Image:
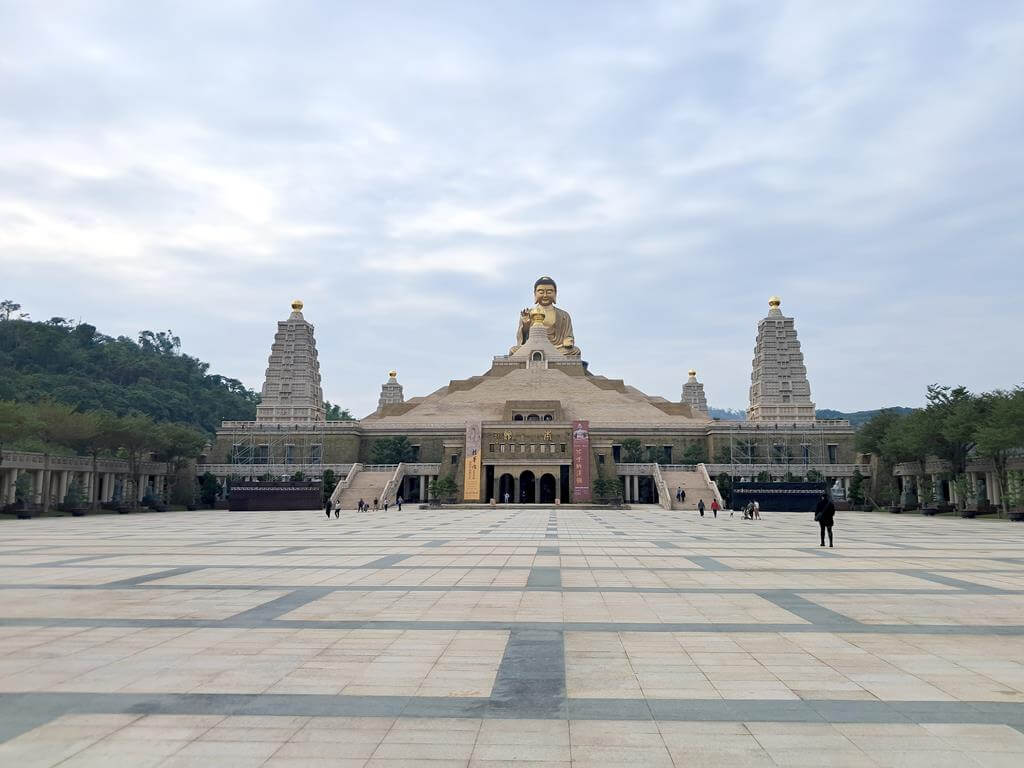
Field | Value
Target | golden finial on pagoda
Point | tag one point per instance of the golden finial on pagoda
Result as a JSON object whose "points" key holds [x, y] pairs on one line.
{"points": [[774, 302], [392, 373], [297, 305], [537, 314], [693, 373]]}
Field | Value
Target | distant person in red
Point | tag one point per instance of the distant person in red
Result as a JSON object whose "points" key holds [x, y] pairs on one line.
{"points": [[715, 507]]}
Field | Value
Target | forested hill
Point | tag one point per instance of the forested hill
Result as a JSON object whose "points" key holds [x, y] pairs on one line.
{"points": [[72, 363], [856, 418]]}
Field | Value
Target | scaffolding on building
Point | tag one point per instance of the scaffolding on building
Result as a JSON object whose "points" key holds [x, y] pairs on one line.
{"points": [[779, 449], [277, 449]]}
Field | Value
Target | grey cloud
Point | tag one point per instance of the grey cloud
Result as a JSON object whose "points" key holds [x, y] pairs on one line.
{"points": [[409, 175]]}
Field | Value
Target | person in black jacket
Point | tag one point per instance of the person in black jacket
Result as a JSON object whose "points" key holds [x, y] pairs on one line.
{"points": [[825, 513]]}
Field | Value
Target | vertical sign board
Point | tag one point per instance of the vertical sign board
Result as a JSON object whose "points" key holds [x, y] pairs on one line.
{"points": [[580, 461], [471, 484]]}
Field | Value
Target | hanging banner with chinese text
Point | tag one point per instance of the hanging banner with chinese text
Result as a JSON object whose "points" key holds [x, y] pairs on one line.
{"points": [[471, 484], [580, 461]]}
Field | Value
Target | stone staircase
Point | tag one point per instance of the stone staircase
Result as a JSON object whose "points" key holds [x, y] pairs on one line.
{"points": [[692, 482], [365, 485]]}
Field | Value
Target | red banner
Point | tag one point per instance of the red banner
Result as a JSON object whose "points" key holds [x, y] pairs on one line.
{"points": [[580, 461]]}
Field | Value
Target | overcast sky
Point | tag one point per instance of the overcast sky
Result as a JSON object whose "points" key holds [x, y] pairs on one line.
{"points": [[409, 169]]}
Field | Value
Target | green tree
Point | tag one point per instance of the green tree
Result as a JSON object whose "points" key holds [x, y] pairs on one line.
{"points": [[871, 437], [444, 488], [1000, 434], [17, 420], [337, 413], [209, 489], [605, 488], [956, 414], [856, 489], [724, 482], [392, 450], [8, 308], [178, 444], [135, 435], [632, 451], [695, 453], [327, 484], [22, 489]]}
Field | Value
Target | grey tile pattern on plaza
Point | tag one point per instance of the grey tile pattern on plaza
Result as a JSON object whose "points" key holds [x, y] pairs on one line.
{"points": [[489, 637]]}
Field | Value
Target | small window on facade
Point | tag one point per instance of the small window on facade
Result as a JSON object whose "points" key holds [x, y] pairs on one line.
{"points": [[490, 448], [501, 448], [455, 458], [600, 458], [522, 447], [561, 447], [517, 417], [833, 454], [533, 417], [538, 355], [616, 453], [547, 417]]}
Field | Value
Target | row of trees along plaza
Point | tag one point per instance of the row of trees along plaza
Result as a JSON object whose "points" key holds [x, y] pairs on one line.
{"points": [[955, 427]]}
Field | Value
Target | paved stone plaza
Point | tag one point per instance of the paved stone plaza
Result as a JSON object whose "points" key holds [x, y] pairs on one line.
{"points": [[538, 636]]}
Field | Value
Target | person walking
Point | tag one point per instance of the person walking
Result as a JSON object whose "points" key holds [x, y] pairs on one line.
{"points": [[507, 496], [398, 501], [679, 493], [757, 510], [700, 507], [361, 505], [385, 505], [337, 511], [682, 494], [327, 508], [715, 507], [376, 505], [824, 514]]}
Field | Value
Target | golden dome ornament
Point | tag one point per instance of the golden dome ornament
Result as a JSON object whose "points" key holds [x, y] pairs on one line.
{"points": [[774, 302], [537, 314], [297, 305]]}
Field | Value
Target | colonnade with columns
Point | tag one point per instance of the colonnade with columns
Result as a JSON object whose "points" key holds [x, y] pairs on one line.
{"points": [[52, 485]]}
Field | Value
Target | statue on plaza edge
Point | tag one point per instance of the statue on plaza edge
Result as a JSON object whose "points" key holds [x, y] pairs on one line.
{"points": [[557, 321]]}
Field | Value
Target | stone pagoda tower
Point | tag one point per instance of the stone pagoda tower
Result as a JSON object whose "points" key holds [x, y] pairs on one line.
{"points": [[779, 390], [693, 395], [292, 392], [390, 391]]}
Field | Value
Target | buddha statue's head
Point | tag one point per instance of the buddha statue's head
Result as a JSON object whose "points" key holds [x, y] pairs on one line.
{"points": [[545, 292]]}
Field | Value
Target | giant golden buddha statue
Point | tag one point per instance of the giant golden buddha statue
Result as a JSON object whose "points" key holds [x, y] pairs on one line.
{"points": [[557, 321]]}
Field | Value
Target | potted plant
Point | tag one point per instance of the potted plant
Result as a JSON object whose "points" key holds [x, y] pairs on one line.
{"points": [[22, 494], [74, 500]]}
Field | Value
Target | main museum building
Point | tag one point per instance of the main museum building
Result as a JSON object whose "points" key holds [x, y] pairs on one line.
{"points": [[537, 426]]}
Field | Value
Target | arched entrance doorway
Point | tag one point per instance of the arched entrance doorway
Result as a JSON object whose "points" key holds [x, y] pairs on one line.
{"points": [[527, 488], [506, 484], [547, 489]]}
